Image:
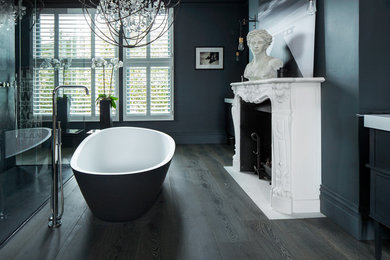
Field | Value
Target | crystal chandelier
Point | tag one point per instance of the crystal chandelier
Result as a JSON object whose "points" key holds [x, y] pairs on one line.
{"points": [[9, 14], [129, 23]]}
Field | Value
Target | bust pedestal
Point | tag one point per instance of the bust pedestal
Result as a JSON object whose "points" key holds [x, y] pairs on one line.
{"points": [[296, 138]]}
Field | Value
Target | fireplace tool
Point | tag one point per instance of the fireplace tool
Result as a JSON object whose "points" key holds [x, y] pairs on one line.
{"points": [[259, 168]]}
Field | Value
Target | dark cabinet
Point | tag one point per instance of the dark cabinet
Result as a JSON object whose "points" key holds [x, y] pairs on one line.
{"points": [[379, 184]]}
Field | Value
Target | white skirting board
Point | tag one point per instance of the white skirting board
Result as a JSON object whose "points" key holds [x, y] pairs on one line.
{"points": [[259, 191]]}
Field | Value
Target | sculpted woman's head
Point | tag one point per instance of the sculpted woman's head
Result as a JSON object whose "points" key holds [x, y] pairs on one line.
{"points": [[262, 65], [258, 40]]}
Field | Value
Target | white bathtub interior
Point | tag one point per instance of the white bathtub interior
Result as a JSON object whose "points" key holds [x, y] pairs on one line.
{"points": [[123, 150]]}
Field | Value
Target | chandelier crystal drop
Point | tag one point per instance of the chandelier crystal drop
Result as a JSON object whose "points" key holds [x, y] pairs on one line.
{"points": [[9, 14], [129, 23]]}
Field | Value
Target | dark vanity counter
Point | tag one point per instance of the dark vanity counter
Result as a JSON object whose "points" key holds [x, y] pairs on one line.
{"points": [[379, 165]]}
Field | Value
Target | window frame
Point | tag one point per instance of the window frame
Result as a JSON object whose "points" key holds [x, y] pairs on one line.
{"points": [[148, 62], [84, 63]]}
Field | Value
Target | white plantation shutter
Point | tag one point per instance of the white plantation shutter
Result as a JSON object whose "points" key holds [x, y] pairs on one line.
{"points": [[137, 53], [43, 79], [102, 48], [136, 92], [147, 72], [80, 103], [148, 84], [161, 48], [77, 42], [160, 90], [74, 37], [42, 100], [107, 51], [43, 37]]}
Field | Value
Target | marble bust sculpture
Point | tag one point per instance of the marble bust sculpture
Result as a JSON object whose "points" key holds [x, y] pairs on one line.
{"points": [[262, 66]]}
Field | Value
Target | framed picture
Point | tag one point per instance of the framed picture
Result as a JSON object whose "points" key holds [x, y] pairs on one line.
{"points": [[209, 58]]}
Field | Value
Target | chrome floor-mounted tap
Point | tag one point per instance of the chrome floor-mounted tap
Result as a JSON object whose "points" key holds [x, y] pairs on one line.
{"points": [[56, 160]]}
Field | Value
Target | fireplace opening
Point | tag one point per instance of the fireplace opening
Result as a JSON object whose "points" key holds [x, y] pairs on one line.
{"points": [[256, 139]]}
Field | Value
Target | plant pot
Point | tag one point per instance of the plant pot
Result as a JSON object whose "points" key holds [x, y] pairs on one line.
{"points": [[105, 114], [63, 111]]}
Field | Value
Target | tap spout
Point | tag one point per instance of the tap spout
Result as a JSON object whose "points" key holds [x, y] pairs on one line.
{"points": [[55, 91], [70, 86]]}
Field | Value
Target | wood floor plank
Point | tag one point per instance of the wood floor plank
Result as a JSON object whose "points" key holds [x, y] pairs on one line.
{"points": [[238, 200], [302, 242], [201, 213], [269, 245], [195, 237], [341, 241]]}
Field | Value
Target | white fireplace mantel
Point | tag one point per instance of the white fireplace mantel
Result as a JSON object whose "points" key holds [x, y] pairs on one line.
{"points": [[296, 138]]}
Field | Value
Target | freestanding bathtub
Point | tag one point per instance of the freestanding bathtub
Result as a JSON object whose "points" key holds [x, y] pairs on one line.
{"points": [[120, 170]]}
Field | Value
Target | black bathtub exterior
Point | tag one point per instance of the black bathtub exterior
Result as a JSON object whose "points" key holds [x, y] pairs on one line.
{"points": [[119, 198]]}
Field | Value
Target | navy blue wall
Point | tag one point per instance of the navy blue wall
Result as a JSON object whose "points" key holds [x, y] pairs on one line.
{"points": [[374, 56], [199, 94], [337, 59], [351, 53]]}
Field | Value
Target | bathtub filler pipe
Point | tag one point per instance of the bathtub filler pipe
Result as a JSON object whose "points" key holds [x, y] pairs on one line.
{"points": [[56, 160]]}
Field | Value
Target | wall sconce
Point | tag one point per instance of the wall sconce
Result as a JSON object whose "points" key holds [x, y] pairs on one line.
{"points": [[237, 56], [243, 23], [240, 43], [311, 7]]}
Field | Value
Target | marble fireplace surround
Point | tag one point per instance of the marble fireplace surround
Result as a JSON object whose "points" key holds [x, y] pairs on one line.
{"points": [[296, 139]]}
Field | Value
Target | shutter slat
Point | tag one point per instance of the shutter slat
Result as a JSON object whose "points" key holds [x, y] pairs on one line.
{"points": [[102, 48], [160, 90], [136, 90], [75, 42], [74, 37], [43, 37], [148, 88], [161, 47]]}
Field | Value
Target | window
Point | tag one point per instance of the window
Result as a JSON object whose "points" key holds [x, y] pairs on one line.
{"points": [[147, 72], [61, 35]]}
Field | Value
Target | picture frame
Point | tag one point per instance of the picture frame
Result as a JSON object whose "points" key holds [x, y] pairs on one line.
{"points": [[207, 58]]}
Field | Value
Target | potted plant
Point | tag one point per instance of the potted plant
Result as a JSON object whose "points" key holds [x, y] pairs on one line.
{"points": [[106, 100]]}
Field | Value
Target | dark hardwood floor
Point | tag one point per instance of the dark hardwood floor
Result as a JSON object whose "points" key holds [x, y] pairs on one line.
{"points": [[201, 213]]}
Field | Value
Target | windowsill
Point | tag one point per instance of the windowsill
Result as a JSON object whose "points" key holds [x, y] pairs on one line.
{"points": [[116, 120], [148, 118]]}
